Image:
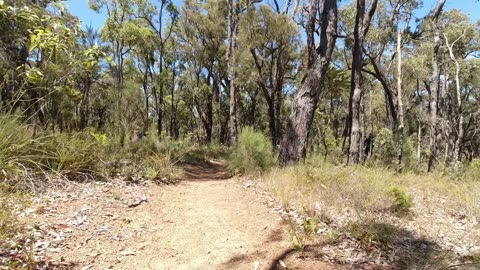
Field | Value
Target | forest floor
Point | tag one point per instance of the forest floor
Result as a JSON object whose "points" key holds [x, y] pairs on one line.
{"points": [[209, 220], [206, 221]]}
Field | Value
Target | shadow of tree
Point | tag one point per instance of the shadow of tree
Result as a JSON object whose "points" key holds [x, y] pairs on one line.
{"points": [[398, 248], [206, 171]]}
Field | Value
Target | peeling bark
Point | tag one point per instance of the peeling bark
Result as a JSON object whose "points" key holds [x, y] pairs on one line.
{"points": [[294, 143]]}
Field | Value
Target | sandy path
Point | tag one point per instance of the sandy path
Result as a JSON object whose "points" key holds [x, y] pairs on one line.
{"points": [[208, 224], [207, 221]]}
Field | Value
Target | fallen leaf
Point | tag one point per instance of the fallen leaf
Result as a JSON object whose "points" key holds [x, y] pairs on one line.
{"points": [[87, 267], [127, 252]]}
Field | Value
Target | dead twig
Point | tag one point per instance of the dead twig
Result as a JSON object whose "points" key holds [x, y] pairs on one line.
{"points": [[137, 203]]}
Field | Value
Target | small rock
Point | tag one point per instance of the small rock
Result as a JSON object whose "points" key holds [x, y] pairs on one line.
{"points": [[282, 264]]}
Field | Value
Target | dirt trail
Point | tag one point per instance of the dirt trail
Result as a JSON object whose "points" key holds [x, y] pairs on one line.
{"points": [[207, 221]]}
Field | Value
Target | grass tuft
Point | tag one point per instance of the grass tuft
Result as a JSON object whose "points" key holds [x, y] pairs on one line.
{"points": [[253, 153]]}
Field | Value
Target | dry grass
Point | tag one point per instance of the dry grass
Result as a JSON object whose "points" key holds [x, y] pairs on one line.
{"points": [[380, 207], [370, 190]]}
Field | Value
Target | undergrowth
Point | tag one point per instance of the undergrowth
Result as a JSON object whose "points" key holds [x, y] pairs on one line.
{"points": [[371, 204], [28, 153], [252, 154], [10, 201]]}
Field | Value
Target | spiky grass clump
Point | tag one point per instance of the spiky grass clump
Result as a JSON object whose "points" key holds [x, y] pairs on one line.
{"points": [[252, 154]]}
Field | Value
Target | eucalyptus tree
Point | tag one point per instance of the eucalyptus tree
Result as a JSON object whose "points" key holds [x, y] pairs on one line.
{"points": [[434, 83], [161, 20], [272, 42], [201, 35], [294, 143], [394, 17], [461, 40], [117, 33], [354, 118], [233, 7]]}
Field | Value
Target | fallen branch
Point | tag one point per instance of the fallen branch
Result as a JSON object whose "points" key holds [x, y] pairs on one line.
{"points": [[137, 203]]}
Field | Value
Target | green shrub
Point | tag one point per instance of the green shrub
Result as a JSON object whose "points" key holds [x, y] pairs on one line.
{"points": [[371, 232], [385, 147], [174, 150], [409, 158], [202, 153], [159, 169], [329, 147], [310, 226], [15, 143], [402, 202], [76, 152], [472, 171], [252, 154]]}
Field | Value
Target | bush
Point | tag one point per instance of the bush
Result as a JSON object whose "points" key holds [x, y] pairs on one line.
{"points": [[473, 170], [372, 232], [402, 202], [252, 154], [173, 150], [159, 169], [76, 152], [385, 147], [15, 143], [202, 153]]}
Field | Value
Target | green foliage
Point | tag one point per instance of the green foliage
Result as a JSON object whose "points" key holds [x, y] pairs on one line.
{"points": [[86, 153], [202, 153], [252, 154], [470, 172], [15, 143], [409, 158], [173, 150], [402, 201], [75, 152], [310, 226], [371, 232], [329, 146], [332, 237], [159, 169], [385, 147], [60, 153]]}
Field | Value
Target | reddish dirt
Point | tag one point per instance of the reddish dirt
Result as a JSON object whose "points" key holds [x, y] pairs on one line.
{"points": [[207, 221]]}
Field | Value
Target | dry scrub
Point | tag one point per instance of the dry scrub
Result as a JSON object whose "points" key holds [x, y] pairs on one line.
{"points": [[381, 208]]}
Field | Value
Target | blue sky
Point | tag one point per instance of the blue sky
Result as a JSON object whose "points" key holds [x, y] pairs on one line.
{"points": [[80, 9]]}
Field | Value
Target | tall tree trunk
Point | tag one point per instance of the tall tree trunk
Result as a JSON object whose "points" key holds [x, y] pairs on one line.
{"points": [[173, 108], [278, 111], [84, 104], [145, 91], [356, 91], [399, 96], [419, 128], [295, 140], [253, 108], [160, 96], [435, 85], [460, 131], [232, 36]]}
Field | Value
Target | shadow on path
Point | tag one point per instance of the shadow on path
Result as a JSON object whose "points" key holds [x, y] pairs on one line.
{"points": [[206, 171]]}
